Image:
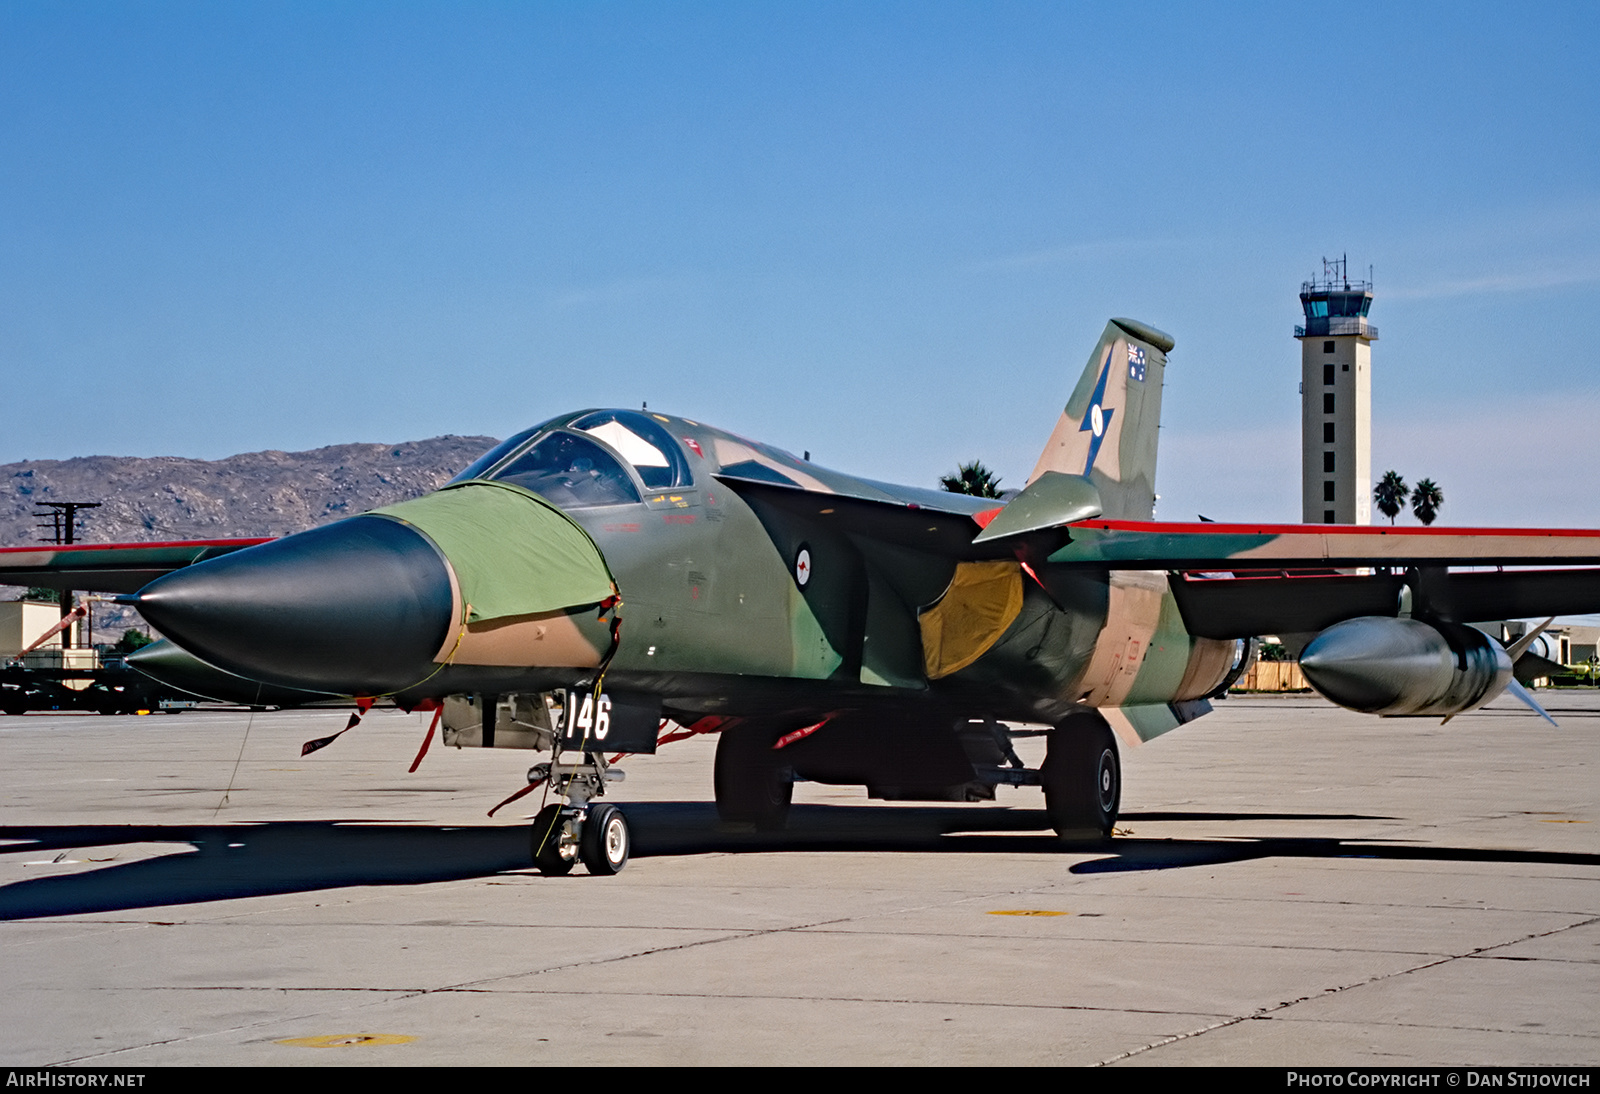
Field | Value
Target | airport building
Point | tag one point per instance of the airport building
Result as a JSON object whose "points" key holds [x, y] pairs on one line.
{"points": [[1336, 398], [22, 622], [1566, 644]]}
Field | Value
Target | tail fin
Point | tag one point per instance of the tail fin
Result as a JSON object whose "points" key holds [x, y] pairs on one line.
{"points": [[1108, 430]]}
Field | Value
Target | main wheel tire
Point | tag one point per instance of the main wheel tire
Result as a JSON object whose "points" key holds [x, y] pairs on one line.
{"points": [[551, 854], [605, 841], [1082, 778], [753, 784]]}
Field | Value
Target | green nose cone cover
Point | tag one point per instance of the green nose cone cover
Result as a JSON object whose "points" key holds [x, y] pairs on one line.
{"points": [[513, 552]]}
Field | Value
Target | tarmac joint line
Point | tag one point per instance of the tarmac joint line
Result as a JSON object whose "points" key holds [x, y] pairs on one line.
{"points": [[1268, 1012]]}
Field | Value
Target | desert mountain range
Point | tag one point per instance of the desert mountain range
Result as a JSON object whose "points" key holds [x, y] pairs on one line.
{"points": [[253, 494]]}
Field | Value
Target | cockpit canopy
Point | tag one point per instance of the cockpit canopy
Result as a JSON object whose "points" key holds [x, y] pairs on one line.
{"points": [[585, 463]]}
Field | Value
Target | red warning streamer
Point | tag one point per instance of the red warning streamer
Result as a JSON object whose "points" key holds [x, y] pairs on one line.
{"points": [[800, 734], [438, 712]]}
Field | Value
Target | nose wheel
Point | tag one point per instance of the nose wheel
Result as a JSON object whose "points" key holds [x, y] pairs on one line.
{"points": [[595, 834], [605, 841], [555, 840]]}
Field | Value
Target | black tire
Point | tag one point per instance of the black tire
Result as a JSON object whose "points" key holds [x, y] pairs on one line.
{"points": [[551, 854], [1082, 778], [113, 705], [605, 842], [753, 784]]}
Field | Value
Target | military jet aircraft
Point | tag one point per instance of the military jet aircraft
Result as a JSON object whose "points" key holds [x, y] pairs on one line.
{"points": [[610, 572]]}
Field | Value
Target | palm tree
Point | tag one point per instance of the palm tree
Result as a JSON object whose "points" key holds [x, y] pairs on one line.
{"points": [[1390, 494], [1426, 501], [973, 478]]}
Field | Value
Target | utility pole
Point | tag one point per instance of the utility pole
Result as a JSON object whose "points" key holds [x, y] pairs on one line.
{"points": [[63, 526]]}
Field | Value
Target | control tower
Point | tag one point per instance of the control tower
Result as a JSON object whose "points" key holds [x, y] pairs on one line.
{"points": [[1336, 398]]}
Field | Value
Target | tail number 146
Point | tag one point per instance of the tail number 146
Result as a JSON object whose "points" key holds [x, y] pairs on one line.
{"points": [[586, 718]]}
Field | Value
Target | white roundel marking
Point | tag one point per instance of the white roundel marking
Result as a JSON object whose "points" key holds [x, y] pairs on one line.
{"points": [[1097, 420], [802, 568]]}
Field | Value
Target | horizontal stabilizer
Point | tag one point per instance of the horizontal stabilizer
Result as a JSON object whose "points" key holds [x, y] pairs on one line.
{"points": [[1137, 724], [1049, 501]]}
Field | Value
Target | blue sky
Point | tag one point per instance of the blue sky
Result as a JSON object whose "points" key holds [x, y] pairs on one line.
{"points": [[885, 233]]}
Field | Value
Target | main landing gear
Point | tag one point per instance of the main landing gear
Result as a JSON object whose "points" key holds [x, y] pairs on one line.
{"points": [[753, 783], [1082, 778], [564, 835], [1081, 775]]}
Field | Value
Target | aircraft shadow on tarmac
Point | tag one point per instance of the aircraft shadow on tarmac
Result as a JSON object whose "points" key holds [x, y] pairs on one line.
{"points": [[234, 861]]}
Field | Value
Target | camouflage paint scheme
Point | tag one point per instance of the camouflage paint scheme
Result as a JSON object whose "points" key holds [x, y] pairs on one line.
{"points": [[715, 620], [762, 587]]}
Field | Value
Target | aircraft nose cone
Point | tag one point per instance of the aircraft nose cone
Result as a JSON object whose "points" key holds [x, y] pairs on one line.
{"points": [[357, 607]]}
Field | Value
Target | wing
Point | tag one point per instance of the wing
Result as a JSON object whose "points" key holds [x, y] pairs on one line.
{"points": [[1237, 580], [108, 567], [1248, 605], [1208, 547], [1229, 580], [944, 530]]}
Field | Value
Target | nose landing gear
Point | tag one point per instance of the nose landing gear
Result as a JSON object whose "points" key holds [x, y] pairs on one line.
{"points": [[564, 835]]}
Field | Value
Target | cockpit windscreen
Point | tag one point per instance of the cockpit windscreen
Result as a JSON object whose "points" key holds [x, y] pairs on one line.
{"points": [[642, 442], [571, 471]]}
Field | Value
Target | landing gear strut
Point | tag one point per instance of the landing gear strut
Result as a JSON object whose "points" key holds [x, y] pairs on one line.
{"points": [[578, 831], [1082, 778]]}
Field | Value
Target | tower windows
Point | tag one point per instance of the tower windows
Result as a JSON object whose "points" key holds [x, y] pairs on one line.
{"points": [[1327, 347], [1327, 375], [1327, 432], [1327, 462], [1327, 490], [1327, 403]]}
